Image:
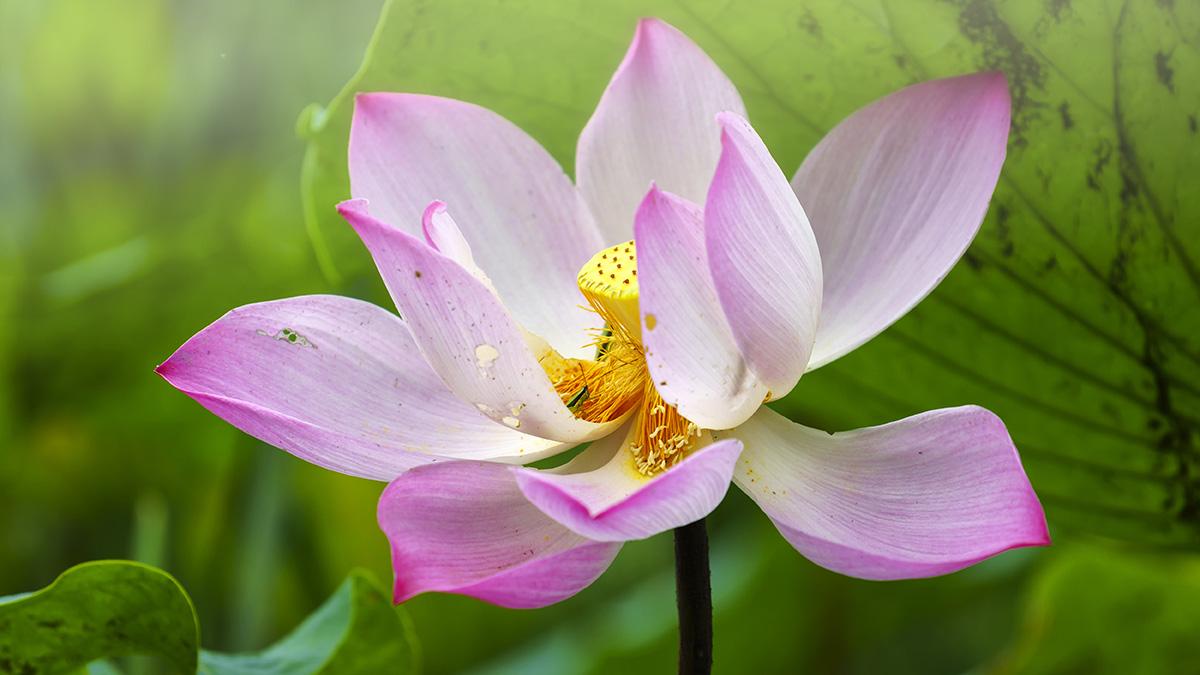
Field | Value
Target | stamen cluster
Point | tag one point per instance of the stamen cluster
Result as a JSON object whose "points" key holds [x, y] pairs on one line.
{"points": [[618, 380]]}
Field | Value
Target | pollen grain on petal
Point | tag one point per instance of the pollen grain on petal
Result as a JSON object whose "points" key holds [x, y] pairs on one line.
{"points": [[486, 355]]}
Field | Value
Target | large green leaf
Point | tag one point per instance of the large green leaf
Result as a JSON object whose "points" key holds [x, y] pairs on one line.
{"points": [[1074, 315], [98, 610], [107, 609]]}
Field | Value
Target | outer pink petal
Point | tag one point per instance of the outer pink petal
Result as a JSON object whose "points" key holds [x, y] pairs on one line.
{"points": [[693, 359], [464, 527], [467, 335], [653, 123], [529, 228], [600, 494], [764, 258], [351, 392], [927, 495], [896, 193]]}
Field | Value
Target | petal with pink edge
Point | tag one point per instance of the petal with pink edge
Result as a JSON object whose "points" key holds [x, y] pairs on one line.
{"points": [[763, 257], [529, 229], [339, 383], [690, 351], [467, 335], [896, 193], [655, 122], [601, 495], [464, 527], [927, 495]]}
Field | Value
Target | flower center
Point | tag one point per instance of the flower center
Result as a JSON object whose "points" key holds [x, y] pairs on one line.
{"points": [[618, 380]]}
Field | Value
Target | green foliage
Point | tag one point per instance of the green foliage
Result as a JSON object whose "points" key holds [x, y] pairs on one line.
{"points": [[356, 632], [137, 210], [107, 609], [1110, 613], [1074, 315], [98, 610]]}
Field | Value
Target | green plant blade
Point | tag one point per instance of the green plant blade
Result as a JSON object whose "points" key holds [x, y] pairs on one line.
{"points": [[356, 631], [107, 609], [1075, 313], [99, 610]]}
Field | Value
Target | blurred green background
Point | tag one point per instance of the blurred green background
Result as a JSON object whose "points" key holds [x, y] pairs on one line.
{"points": [[152, 177]]}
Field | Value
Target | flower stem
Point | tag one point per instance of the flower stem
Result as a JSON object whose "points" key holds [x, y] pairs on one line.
{"points": [[693, 597]]}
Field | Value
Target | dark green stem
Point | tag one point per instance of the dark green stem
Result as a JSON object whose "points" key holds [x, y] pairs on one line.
{"points": [[693, 597]]}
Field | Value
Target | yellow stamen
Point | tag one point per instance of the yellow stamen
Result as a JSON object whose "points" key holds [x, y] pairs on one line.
{"points": [[662, 437], [601, 390], [618, 380]]}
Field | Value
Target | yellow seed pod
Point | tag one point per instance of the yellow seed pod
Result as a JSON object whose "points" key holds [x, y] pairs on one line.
{"points": [[610, 284]]}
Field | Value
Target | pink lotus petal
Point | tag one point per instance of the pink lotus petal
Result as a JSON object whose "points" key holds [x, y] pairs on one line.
{"points": [[467, 335], [600, 494], [349, 392], [653, 123], [896, 193], [693, 359], [764, 258], [927, 495], [464, 527], [529, 229]]}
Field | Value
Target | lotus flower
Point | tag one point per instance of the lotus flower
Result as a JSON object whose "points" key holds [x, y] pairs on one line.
{"points": [[650, 308]]}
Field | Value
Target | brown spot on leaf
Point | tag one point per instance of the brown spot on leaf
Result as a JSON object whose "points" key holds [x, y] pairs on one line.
{"points": [[1166, 74], [1064, 111]]}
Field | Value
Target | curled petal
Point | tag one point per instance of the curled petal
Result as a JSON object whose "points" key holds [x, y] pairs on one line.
{"points": [[337, 382], [927, 495], [764, 258], [529, 229], [442, 233], [467, 335], [464, 527], [601, 495], [690, 351], [896, 193], [653, 123]]}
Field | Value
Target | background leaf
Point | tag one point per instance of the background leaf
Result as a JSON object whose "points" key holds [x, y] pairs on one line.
{"points": [[1074, 315], [108, 609], [1077, 601], [356, 631], [99, 610]]}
